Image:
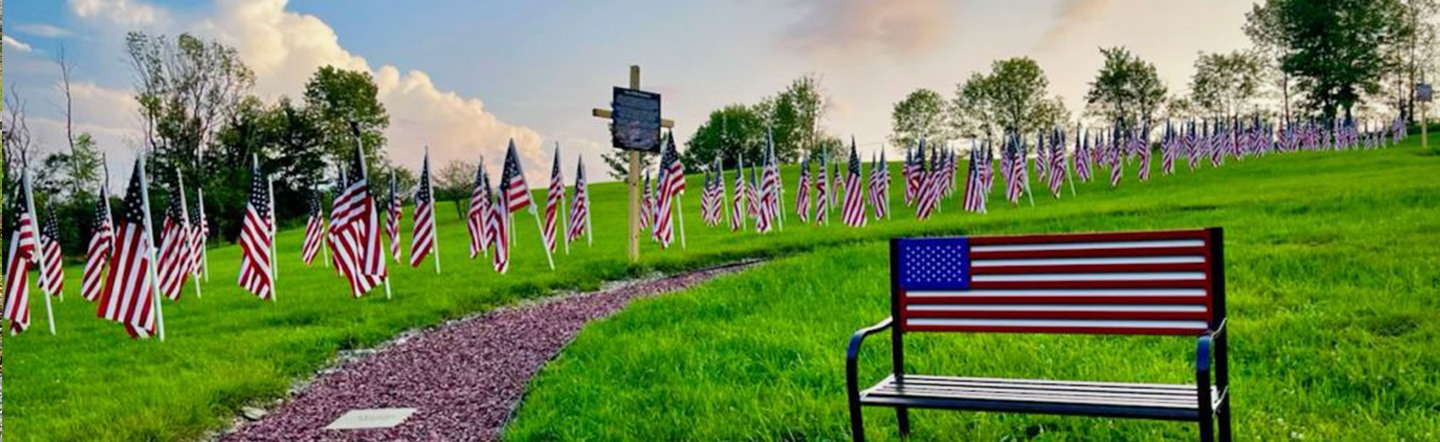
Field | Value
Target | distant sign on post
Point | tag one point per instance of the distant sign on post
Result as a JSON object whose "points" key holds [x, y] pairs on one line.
{"points": [[1423, 92], [636, 120]]}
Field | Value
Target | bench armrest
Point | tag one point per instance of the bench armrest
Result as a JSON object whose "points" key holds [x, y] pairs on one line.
{"points": [[852, 354], [1203, 348]]}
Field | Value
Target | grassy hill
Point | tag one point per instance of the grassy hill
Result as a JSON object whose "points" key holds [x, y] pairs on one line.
{"points": [[1334, 309], [1333, 286]]}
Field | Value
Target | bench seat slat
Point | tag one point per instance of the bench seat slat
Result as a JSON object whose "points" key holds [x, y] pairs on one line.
{"points": [[1160, 401]]}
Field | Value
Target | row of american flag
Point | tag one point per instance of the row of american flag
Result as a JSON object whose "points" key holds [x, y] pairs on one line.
{"points": [[128, 274]]}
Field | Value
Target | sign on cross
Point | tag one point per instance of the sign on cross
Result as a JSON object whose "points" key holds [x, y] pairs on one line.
{"points": [[634, 118]]}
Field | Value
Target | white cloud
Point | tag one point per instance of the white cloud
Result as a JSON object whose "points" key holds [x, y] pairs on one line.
{"points": [[16, 44], [129, 13], [858, 28], [43, 30]]}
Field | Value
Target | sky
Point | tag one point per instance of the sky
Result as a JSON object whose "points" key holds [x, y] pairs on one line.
{"points": [[464, 77]]}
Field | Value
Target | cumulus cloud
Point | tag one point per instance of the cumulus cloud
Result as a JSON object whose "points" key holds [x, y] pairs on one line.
{"points": [[16, 44], [864, 27], [119, 12], [285, 48]]}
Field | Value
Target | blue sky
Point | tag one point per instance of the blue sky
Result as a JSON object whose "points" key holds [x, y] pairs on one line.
{"points": [[464, 76]]}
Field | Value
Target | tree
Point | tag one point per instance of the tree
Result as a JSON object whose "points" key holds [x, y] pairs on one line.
{"points": [[729, 132], [453, 183], [1262, 25], [19, 144], [618, 162], [921, 114], [186, 88], [1225, 85], [1127, 90], [1337, 50], [1012, 98], [338, 97]]}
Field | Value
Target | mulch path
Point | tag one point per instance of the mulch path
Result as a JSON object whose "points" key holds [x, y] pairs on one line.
{"points": [[465, 378]]}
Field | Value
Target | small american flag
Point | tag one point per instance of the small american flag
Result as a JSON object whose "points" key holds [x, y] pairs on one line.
{"points": [[314, 230], [974, 185], [1057, 162], [671, 185], [52, 281], [199, 234], [129, 296], [255, 240], [516, 193], [802, 192], [737, 201], [853, 210], [422, 239], [497, 227], [554, 198], [1014, 186], [1142, 143], [647, 212], [174, 247], [770, 186], [756, 206], [394, 211], [876, 193], [931, 188], [822, 193], [479, 213], [97, 255], [580, 208], [355, 229], [18, 261]]}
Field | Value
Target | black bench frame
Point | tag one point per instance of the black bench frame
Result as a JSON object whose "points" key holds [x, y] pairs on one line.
{"points": [[1214, 407]]}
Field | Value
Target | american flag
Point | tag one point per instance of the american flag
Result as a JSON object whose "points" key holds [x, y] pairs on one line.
{"points": [[52, 281], [706, 198], [671, 184], [647, 211], [1057, 162], [479, 213], [18, 262], [1081, 157], [715, 192], [355, 229], [174, 247], [516, 193], [802, 192], [931, 188], [580, 207], [974, 183], [1014, 186], [1117, 158], [1169, 150], [914, 173], [822, 193], [554, 197], [497, 228], [1042, 157], [199, 234], [129, 293], [878, 196], [737, 201], [422, 239], [314, 230], [852, 212], [102, 241], [756, 203], [255, 240], [394, 211], [1143, 143], [769, 188]]}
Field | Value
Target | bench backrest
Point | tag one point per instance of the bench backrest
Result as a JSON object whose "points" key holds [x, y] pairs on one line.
{"points": [[1155, 282]]}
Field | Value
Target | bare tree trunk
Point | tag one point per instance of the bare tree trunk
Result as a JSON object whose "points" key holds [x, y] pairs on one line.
{"points": [[65, 66]]}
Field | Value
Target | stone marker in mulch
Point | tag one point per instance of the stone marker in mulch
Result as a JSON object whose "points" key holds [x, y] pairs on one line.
{"points": [[463, 379]]}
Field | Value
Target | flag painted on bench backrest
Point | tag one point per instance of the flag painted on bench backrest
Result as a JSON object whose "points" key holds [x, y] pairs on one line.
{"points": [[1116, 283]]}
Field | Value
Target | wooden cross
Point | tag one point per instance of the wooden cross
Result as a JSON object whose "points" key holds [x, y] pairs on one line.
{"points": [[634, 178]]}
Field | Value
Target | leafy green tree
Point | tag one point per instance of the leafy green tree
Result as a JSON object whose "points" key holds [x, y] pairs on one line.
{"points": [[1262, 25], [1226, 85], [618, 163], [453, 183], [728, 133], [1337, 50], [1013, 97], [337, 97], [1126, 90], [921, 114]]}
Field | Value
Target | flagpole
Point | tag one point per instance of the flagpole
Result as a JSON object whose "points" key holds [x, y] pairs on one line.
{"points": [[150, 247], [205, 251], [34, 226], [274, 266], [541, 228], [185, 217], [680, 217], [435, 234]]}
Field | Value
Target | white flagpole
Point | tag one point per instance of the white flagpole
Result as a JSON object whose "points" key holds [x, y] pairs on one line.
{"points": [[150, 247], [564, 214], [680, 217], [205, 251], [274, 266], [430, 186], [541, 228], [185, 216], [35, 230]]}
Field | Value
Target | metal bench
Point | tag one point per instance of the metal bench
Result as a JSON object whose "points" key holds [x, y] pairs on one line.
{"points": [[1169, 283]]}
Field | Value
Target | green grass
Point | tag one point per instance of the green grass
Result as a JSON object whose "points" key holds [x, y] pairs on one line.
{"points": [[1334, 306], [1332, 287]]}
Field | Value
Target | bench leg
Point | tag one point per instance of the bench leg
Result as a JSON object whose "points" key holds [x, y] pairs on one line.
{"points": [[857, 422], [902, 417], [1207, 429], [1222, 414]]}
